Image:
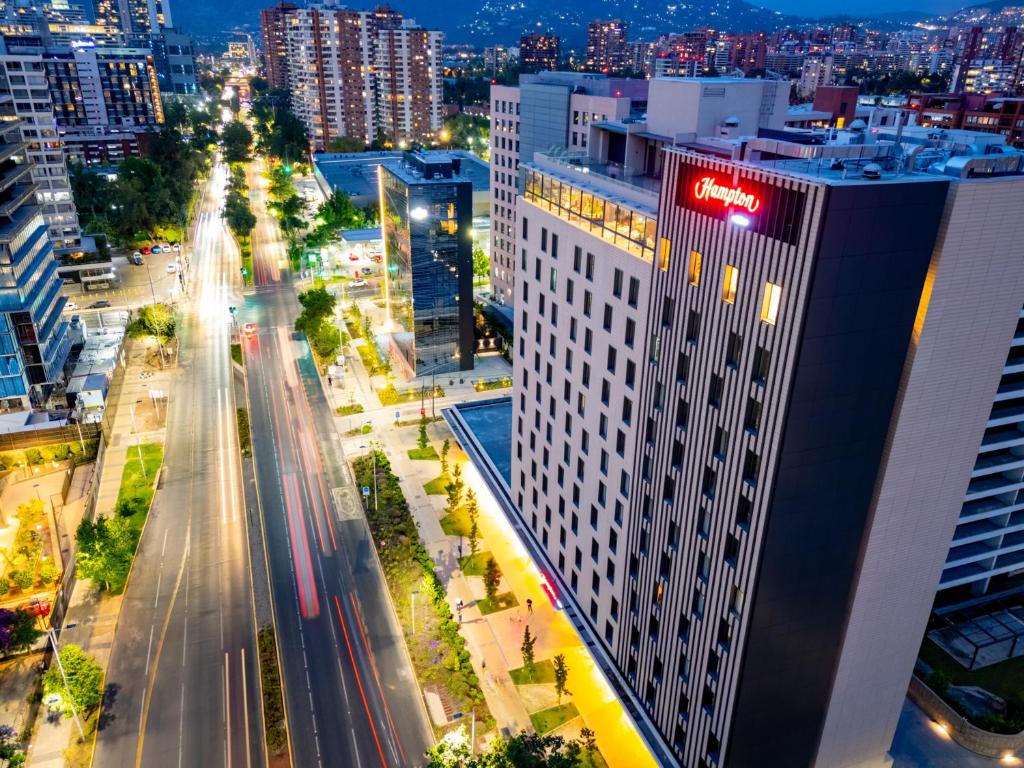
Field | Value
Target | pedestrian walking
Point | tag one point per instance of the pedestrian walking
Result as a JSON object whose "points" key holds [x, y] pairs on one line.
{"points": [[529, 605], [330, 382]]}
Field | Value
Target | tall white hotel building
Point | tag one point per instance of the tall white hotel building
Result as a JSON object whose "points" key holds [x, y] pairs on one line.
{"points": [[753, 369]]}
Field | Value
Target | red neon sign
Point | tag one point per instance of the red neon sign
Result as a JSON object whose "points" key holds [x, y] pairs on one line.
{"points": [[708, 188]]}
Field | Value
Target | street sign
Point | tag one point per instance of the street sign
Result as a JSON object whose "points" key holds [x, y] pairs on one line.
{"points": [[366, 490], [398, 415]]}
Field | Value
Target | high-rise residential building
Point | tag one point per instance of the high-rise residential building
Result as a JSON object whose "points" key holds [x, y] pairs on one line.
{"points": [[606, 46], [731, 352], [104, 86], [34, 340], [640, 57], [427, 222], [408, 84], [989, 113], [538, 51], [25, 75], [750, 52], [363, 74], [275, 54], [990, 76], [816, 71], [548, 109], [970, 46], [496, 58]]}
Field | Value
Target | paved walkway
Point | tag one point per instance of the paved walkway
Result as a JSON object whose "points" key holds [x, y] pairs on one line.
{"points": [[918, 743], [494, 640]]}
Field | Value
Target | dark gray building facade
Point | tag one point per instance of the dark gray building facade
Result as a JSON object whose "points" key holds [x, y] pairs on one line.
{"points": [[427, 221]]}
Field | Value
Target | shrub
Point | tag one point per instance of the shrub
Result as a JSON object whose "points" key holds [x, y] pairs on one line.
{"points": [[23, 579], [5, 585], [34, 457]]}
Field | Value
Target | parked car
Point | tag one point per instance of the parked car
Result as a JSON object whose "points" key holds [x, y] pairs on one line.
{"points": [[172, 267], [101, 304], [36, 606], [136, 259], [377, 257], [175, 247], [157, 249], [146, 249], [358, 283], [353, 257], [70, 306], [249, 329]]}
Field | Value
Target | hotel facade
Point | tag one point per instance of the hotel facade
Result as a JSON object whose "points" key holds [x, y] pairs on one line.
{"points": [[732, 350]]}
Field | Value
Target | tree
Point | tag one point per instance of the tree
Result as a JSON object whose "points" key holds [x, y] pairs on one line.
{"points": [[346, 145], [422, 441], [155, 320], [523, 750], [105, 551], [236, 140], [561, 677], [527, 650], [473, 512], [10, 747], [492, 579], [454, 489], [445, 447], [18, 630], [326, 341], [589, 740], [84, 675], [481, 264], [237, 214]]}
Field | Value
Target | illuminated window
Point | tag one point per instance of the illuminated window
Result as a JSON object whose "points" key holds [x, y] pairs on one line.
{"points": [[770, 304], [663, 249], [732, 279], [694, 272]]}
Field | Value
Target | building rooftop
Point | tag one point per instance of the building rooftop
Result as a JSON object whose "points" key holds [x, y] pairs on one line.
{"points": [[356, 173], [413, 168]]}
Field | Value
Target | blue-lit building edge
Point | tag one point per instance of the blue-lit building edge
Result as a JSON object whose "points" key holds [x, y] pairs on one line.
{"points": [[37, 293]]}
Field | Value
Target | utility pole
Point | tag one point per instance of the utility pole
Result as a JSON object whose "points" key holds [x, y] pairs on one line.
{"points": [[56, 652]]}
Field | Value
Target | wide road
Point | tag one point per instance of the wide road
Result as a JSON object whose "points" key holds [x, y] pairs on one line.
{"points": [[183, 667], [351, 695]]}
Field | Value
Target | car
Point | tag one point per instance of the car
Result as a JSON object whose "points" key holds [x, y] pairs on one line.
{"points": [[37, 606], [70, 306], [137, 259], [358, 283], [545, 584], [136, 254], [377, 257], [156, 249], [175, 247], [101, 304], [146, 249], [249, 329], [172, 267], [353, 257]]}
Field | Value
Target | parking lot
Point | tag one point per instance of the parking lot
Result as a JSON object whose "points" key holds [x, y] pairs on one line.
{"points": [[135, 285]]}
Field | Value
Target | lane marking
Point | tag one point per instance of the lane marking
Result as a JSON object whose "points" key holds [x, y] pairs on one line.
{"points": [[227, 707], [245, 711], [362, 693]]}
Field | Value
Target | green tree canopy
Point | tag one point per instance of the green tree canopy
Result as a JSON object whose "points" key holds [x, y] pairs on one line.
{"points": [[84, 675], [105, 550], [18, 630], [236, 140]]}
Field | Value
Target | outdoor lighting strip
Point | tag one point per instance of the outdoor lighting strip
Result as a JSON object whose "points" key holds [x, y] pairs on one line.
{"points": [[384, 245]]}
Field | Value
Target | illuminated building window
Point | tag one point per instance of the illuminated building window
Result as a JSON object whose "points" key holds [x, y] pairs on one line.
{"points": [[770, 304], [693, 275], [732, 279], [663, 251]]}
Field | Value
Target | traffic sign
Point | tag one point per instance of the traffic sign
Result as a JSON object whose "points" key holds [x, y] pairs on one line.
{"points": [[366, 490]]}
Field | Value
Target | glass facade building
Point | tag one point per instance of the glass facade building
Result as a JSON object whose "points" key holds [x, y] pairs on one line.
{"points": [[34, 341], [427, 214]]}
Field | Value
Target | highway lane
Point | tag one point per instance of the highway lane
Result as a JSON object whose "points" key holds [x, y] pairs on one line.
{"points": [[351, 696], [184, 660]]}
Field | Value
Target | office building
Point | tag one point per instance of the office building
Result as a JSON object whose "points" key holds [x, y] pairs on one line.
{"points": [[427, 220], [174, 62], [732, 348], [362, 74], [34, 339], [606, 47], [275, 53], [988, 113], [43, 147], [538, 51], [548, 109]]}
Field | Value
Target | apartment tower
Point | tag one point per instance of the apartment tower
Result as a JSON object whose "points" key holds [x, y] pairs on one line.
{"points": [[275, 54], [606, 46]]}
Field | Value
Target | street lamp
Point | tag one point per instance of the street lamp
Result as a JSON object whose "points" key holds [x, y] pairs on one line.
{"points": [[414, 593], [374, 455], [138, 444]]}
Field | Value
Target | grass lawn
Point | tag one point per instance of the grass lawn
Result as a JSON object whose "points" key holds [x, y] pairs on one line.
{"points": [[244, 437], [474, 565], [501, 602], [549, 719], [456, 523], [543, 672], [363, 430], [349, 410], [79, 753], [137, 485], [436, 486], [273, 697], [236, 354], [1005, 679], [424, 454]]}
